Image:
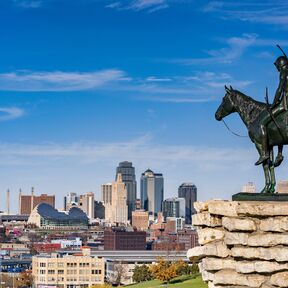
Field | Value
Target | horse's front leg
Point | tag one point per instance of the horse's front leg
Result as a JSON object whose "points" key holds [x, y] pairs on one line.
{"points": [[266, 169], [272, 172]]}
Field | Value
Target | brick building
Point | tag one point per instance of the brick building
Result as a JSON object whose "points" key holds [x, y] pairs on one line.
{"points": [[28, 202], [140, 220], [120, 239], [188, 237]]}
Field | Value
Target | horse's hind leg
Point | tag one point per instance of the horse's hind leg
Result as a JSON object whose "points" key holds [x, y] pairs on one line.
{"points": [[272, 172], [279, 157]]}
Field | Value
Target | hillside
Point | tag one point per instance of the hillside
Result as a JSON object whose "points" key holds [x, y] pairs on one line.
{"points": [[187, 281]]}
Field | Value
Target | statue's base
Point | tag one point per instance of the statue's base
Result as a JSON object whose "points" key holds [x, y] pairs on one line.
{"points": [[260, 197]]}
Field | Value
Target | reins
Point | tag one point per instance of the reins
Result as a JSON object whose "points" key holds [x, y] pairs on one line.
{"points": [[238, 135]]}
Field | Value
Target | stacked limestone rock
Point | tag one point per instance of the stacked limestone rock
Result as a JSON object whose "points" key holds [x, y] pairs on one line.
{"points": [[243, 244]]}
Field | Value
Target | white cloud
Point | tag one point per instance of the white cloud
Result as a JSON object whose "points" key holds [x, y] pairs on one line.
{"points": [[28, 4], [57, 81], [157, 79], [235, 47], [140, 5], [10, 113], [140, 149], [199, 87], [72, 167], [265, 12]]}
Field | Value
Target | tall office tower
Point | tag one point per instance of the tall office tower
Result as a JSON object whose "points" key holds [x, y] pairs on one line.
{"points": [[249, 188], [106, 193], [99, 210], [127, 172], [189, 192], [152, 191], [117, 210], [28, 202], [87, 203], [72, 199], [174, 207]]}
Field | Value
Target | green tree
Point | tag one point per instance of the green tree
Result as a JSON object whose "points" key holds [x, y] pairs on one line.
{"points": [[141, 273]]}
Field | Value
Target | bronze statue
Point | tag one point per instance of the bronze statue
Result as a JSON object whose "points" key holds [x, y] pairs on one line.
{"points": [[267, 124]]}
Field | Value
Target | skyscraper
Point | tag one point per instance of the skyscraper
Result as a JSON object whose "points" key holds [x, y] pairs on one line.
{"points": [[87, 203], [106, 193], [152, 191], [127, 172], [174, 207], [188, 191], [72, 199], [117, 210]]}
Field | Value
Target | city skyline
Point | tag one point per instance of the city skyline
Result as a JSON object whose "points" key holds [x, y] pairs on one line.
{"points": [[88, 84]]}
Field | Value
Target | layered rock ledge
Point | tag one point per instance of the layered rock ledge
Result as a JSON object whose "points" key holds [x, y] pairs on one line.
{"points": [[242, 244]]}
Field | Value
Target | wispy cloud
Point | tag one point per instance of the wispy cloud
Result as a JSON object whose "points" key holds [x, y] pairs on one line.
{"points": [[199, 87], [234, 49], [149, 6], [194, 88], [266, 12], [57, 81], [139, 149], [10, 113], [27, 4]]}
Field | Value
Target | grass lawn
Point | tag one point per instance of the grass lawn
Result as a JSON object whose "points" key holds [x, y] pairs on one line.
{"points": [[187, 281]]}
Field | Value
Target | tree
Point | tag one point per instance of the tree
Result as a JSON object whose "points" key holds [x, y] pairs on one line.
{"points": [[6, 280], [182, 268], [164, 270], [25, 279], [106, 285], [119, 272], [141, 273]]}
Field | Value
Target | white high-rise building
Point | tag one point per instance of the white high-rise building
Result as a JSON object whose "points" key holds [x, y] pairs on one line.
{"points": [[106, 193], [87, 204], [117, 210]]}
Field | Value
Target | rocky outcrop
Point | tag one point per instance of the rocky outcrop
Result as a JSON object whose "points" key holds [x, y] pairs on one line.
{"points": [[242, 244]]}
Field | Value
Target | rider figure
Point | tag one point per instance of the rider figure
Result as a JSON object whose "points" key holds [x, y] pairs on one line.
{"points": [[279, 105]]}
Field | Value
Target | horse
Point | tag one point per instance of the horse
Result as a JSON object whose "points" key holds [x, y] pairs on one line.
{"points": [[252, 112]]}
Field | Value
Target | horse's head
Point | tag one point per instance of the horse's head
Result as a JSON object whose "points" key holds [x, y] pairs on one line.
{"points": [[226, 107]]}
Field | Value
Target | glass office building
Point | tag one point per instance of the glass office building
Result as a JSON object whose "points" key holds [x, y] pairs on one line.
{"points": [[152, 191]]}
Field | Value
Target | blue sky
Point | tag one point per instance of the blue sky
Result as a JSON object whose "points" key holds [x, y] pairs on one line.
{"points": [[86, 84]]}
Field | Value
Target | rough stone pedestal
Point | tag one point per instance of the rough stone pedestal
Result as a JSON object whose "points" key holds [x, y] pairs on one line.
{"points": [[243, 244]]}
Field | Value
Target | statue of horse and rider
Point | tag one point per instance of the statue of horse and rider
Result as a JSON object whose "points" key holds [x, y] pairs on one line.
{"points": [[267, 124]]}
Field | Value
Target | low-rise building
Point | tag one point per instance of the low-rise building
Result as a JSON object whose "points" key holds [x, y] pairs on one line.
{"points": [[68, 271], [45, 216], [188, 237], [121, 239], [68, 243], [140, 220]]}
